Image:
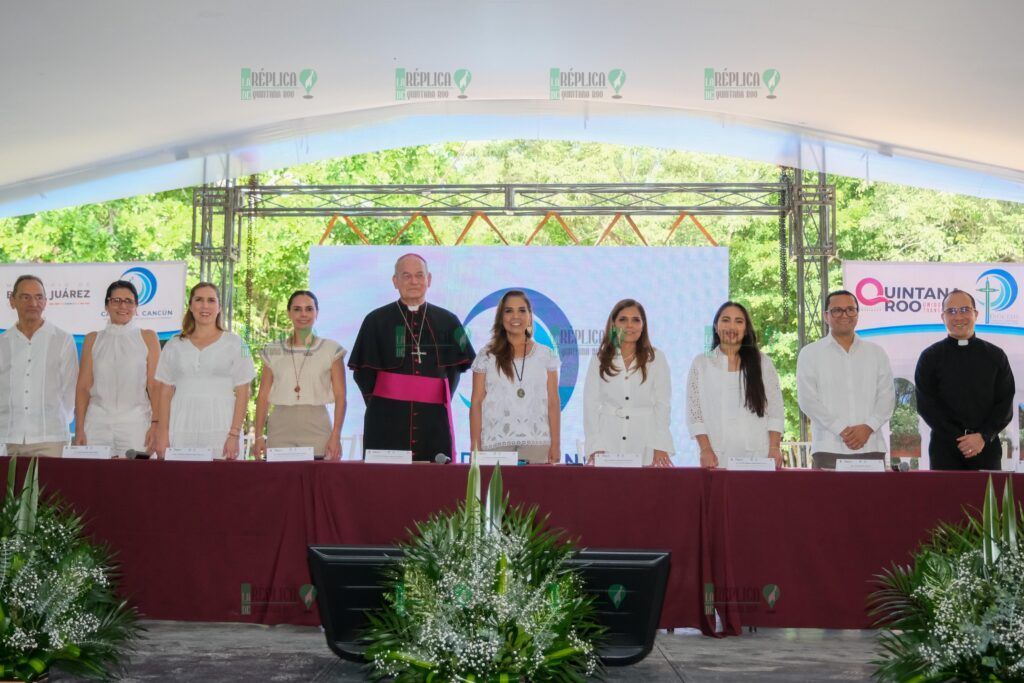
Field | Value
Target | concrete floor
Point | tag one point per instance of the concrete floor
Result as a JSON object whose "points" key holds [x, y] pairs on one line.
{"points": [[191, 651]]}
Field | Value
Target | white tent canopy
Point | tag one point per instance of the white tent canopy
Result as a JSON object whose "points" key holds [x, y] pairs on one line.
{"points": [[111, 99]]}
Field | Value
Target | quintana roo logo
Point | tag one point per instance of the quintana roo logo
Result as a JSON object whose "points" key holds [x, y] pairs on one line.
{"points": [[551, 328], [998, 290], [144, 281]]}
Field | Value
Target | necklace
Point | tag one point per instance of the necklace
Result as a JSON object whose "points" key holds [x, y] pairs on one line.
{"points": [[415, 337], [298, 371], [520, 392]]}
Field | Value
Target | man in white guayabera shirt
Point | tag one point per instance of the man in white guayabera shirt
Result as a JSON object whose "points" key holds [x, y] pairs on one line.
{"points": [[844, 384], [38, 371]]}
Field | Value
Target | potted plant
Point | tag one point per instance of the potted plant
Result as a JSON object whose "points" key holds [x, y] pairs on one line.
{"points": [[956, 613], [58, 606], [484, 594]]}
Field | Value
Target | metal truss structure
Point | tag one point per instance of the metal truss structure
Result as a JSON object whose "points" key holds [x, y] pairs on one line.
{"points": [[804, 204]]}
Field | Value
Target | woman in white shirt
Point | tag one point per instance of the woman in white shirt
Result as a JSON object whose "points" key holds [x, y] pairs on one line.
{"points": [[628, 391], [734, 402], [117, 393], [206, 373], [515, 404], [301, 375]]}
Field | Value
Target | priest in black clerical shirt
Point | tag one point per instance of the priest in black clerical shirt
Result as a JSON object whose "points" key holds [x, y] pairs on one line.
{"points": [[964, 392], [407, 359]]}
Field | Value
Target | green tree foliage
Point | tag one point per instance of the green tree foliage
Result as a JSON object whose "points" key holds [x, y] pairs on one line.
{"points": [[875, 222]]}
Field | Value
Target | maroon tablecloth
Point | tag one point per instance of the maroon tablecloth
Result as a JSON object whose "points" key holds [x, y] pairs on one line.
{"points": [[227, 541]]}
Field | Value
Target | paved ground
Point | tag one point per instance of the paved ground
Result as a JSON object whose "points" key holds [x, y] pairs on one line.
{"points": [[190, 651]]}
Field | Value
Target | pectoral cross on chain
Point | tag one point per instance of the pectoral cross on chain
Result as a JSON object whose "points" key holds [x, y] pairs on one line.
{"points": [[419, 354]]}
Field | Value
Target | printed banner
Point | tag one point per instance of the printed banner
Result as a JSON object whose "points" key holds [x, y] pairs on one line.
{"points": [[76, 292], [572, 292]]}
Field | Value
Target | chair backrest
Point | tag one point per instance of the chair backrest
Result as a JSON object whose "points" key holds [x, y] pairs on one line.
{"points": [[352, 447], [796, 454]]}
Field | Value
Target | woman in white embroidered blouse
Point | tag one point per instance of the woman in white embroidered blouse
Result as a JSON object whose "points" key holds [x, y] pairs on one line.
{"points": [[628, 391], [515, 404], [734, 402], [206, 373], [117, 394]]}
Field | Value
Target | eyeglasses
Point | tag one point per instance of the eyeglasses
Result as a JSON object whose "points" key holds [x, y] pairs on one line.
{"points": [[962, 310], [116, 301], [840, 312]]}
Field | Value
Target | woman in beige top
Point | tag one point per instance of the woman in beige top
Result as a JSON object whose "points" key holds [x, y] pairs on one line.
{"points": [[301, 376]]}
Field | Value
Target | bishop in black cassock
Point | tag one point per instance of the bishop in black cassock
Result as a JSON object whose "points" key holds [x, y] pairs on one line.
{"points": [[402, 356], [965, 392]]}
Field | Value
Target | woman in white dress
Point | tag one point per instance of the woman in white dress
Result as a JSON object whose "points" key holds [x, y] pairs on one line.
{"points": [[116, 394], [301, 375], [734, 402], [628, 391], [206, 373], [515, 404]]}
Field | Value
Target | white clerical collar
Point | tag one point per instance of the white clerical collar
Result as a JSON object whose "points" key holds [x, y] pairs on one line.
{"points": [[963, 342], [413, 309]]}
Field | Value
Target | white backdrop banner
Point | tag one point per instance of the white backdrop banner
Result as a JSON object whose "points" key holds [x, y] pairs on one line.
{"points": [[901, 309], [76, 291], [572, 291]]}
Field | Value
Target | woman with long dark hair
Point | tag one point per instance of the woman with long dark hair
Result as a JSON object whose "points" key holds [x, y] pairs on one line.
{"points": [[515, 404], [734, 401], [301, 375], [117, 395], [206, 372], [628, 391]]}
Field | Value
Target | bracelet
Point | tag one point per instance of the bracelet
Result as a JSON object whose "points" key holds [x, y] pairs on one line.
{"points": [[154, 422]]}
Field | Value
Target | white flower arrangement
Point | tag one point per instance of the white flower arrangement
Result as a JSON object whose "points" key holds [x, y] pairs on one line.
{"points": [[484, 594], [57, 604], [957, 612]]}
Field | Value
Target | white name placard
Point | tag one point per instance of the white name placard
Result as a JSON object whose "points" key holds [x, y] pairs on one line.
{"points": [[503, 458], [89, 452], [3, 450], [296, 454], [189, 454], [859, 465], [1020, 463], [382, 457], [618, 460], [751, 463]]}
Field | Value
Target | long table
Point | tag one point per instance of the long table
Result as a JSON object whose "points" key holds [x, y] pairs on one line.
{"points": [[226, 541]]}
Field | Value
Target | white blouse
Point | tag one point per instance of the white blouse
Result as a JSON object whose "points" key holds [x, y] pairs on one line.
{"points": [[715, 403], [309, 370], [119, 357], [204, 382], [624, 414], [510, 419]]}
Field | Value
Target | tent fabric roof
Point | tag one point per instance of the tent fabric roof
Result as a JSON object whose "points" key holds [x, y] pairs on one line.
{"points": [[117, 98]]}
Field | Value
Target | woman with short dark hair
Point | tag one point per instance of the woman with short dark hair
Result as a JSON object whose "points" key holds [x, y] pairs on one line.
{"points": [[117, 394]]}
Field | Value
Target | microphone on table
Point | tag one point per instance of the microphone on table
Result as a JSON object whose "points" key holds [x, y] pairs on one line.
{"points": [[442, 458], [904, 466], [133, 454]]}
